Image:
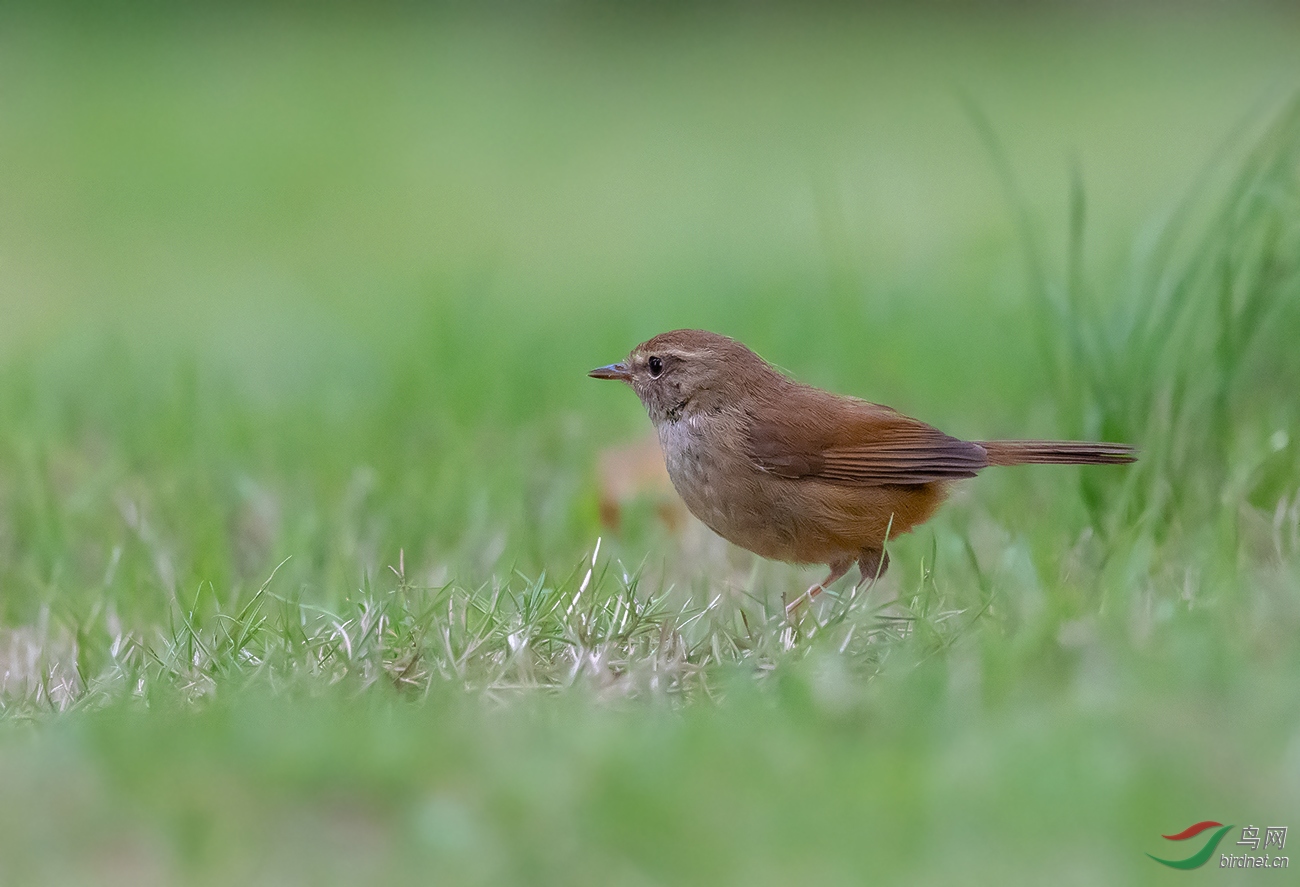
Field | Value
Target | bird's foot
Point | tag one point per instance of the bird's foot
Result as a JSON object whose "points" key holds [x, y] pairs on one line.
{"points": [[837, 570], [812, 592]]}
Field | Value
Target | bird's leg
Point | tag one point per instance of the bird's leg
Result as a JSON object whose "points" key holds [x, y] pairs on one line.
{"points": [[838, 569], [872, 564]]}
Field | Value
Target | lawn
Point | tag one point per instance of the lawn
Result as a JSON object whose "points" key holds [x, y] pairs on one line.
{"points": [[303, 577]]}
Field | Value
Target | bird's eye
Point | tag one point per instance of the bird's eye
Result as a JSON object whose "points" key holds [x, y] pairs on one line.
{"points": [[656, 367]]}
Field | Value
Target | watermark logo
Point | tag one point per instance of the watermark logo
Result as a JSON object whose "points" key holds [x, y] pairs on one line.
{"points": [[1202, 856], [1273, 836]]}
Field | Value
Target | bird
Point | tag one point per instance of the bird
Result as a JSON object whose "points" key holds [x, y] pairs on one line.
{"points": [[798, 474]]}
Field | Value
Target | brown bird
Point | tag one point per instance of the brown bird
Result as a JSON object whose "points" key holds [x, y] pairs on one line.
{"points": [[798, 474]]}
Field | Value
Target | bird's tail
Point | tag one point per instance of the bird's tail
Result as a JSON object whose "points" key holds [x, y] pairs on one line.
{"points": [[1056, 452]]}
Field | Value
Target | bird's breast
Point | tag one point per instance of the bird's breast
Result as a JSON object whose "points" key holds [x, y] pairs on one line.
{"points": [[722, 487], [698, 458]]}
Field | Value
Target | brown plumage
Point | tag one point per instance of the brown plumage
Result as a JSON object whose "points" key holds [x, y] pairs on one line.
{"points": [[799, 474]]}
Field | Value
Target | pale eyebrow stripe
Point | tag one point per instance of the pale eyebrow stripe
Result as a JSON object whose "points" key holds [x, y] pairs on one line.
{"points": [[666, 352]]}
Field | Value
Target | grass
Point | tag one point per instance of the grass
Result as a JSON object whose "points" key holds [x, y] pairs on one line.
{"points": [[301, 575]]}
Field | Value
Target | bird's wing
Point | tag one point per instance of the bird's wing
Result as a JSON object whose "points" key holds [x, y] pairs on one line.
{"points": [[843, 440]]}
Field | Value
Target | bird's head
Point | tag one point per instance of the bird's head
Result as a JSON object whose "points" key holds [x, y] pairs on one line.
{"points": [[687, 372]]}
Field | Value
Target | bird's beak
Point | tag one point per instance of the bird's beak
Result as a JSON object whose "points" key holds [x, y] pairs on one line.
{"points": [[613, 371]]}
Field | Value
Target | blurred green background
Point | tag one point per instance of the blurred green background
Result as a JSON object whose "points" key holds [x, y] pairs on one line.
{"points": [[318, 288]]}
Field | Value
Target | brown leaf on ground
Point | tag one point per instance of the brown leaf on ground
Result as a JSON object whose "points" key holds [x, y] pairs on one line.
{"points": [[632, 471]]}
